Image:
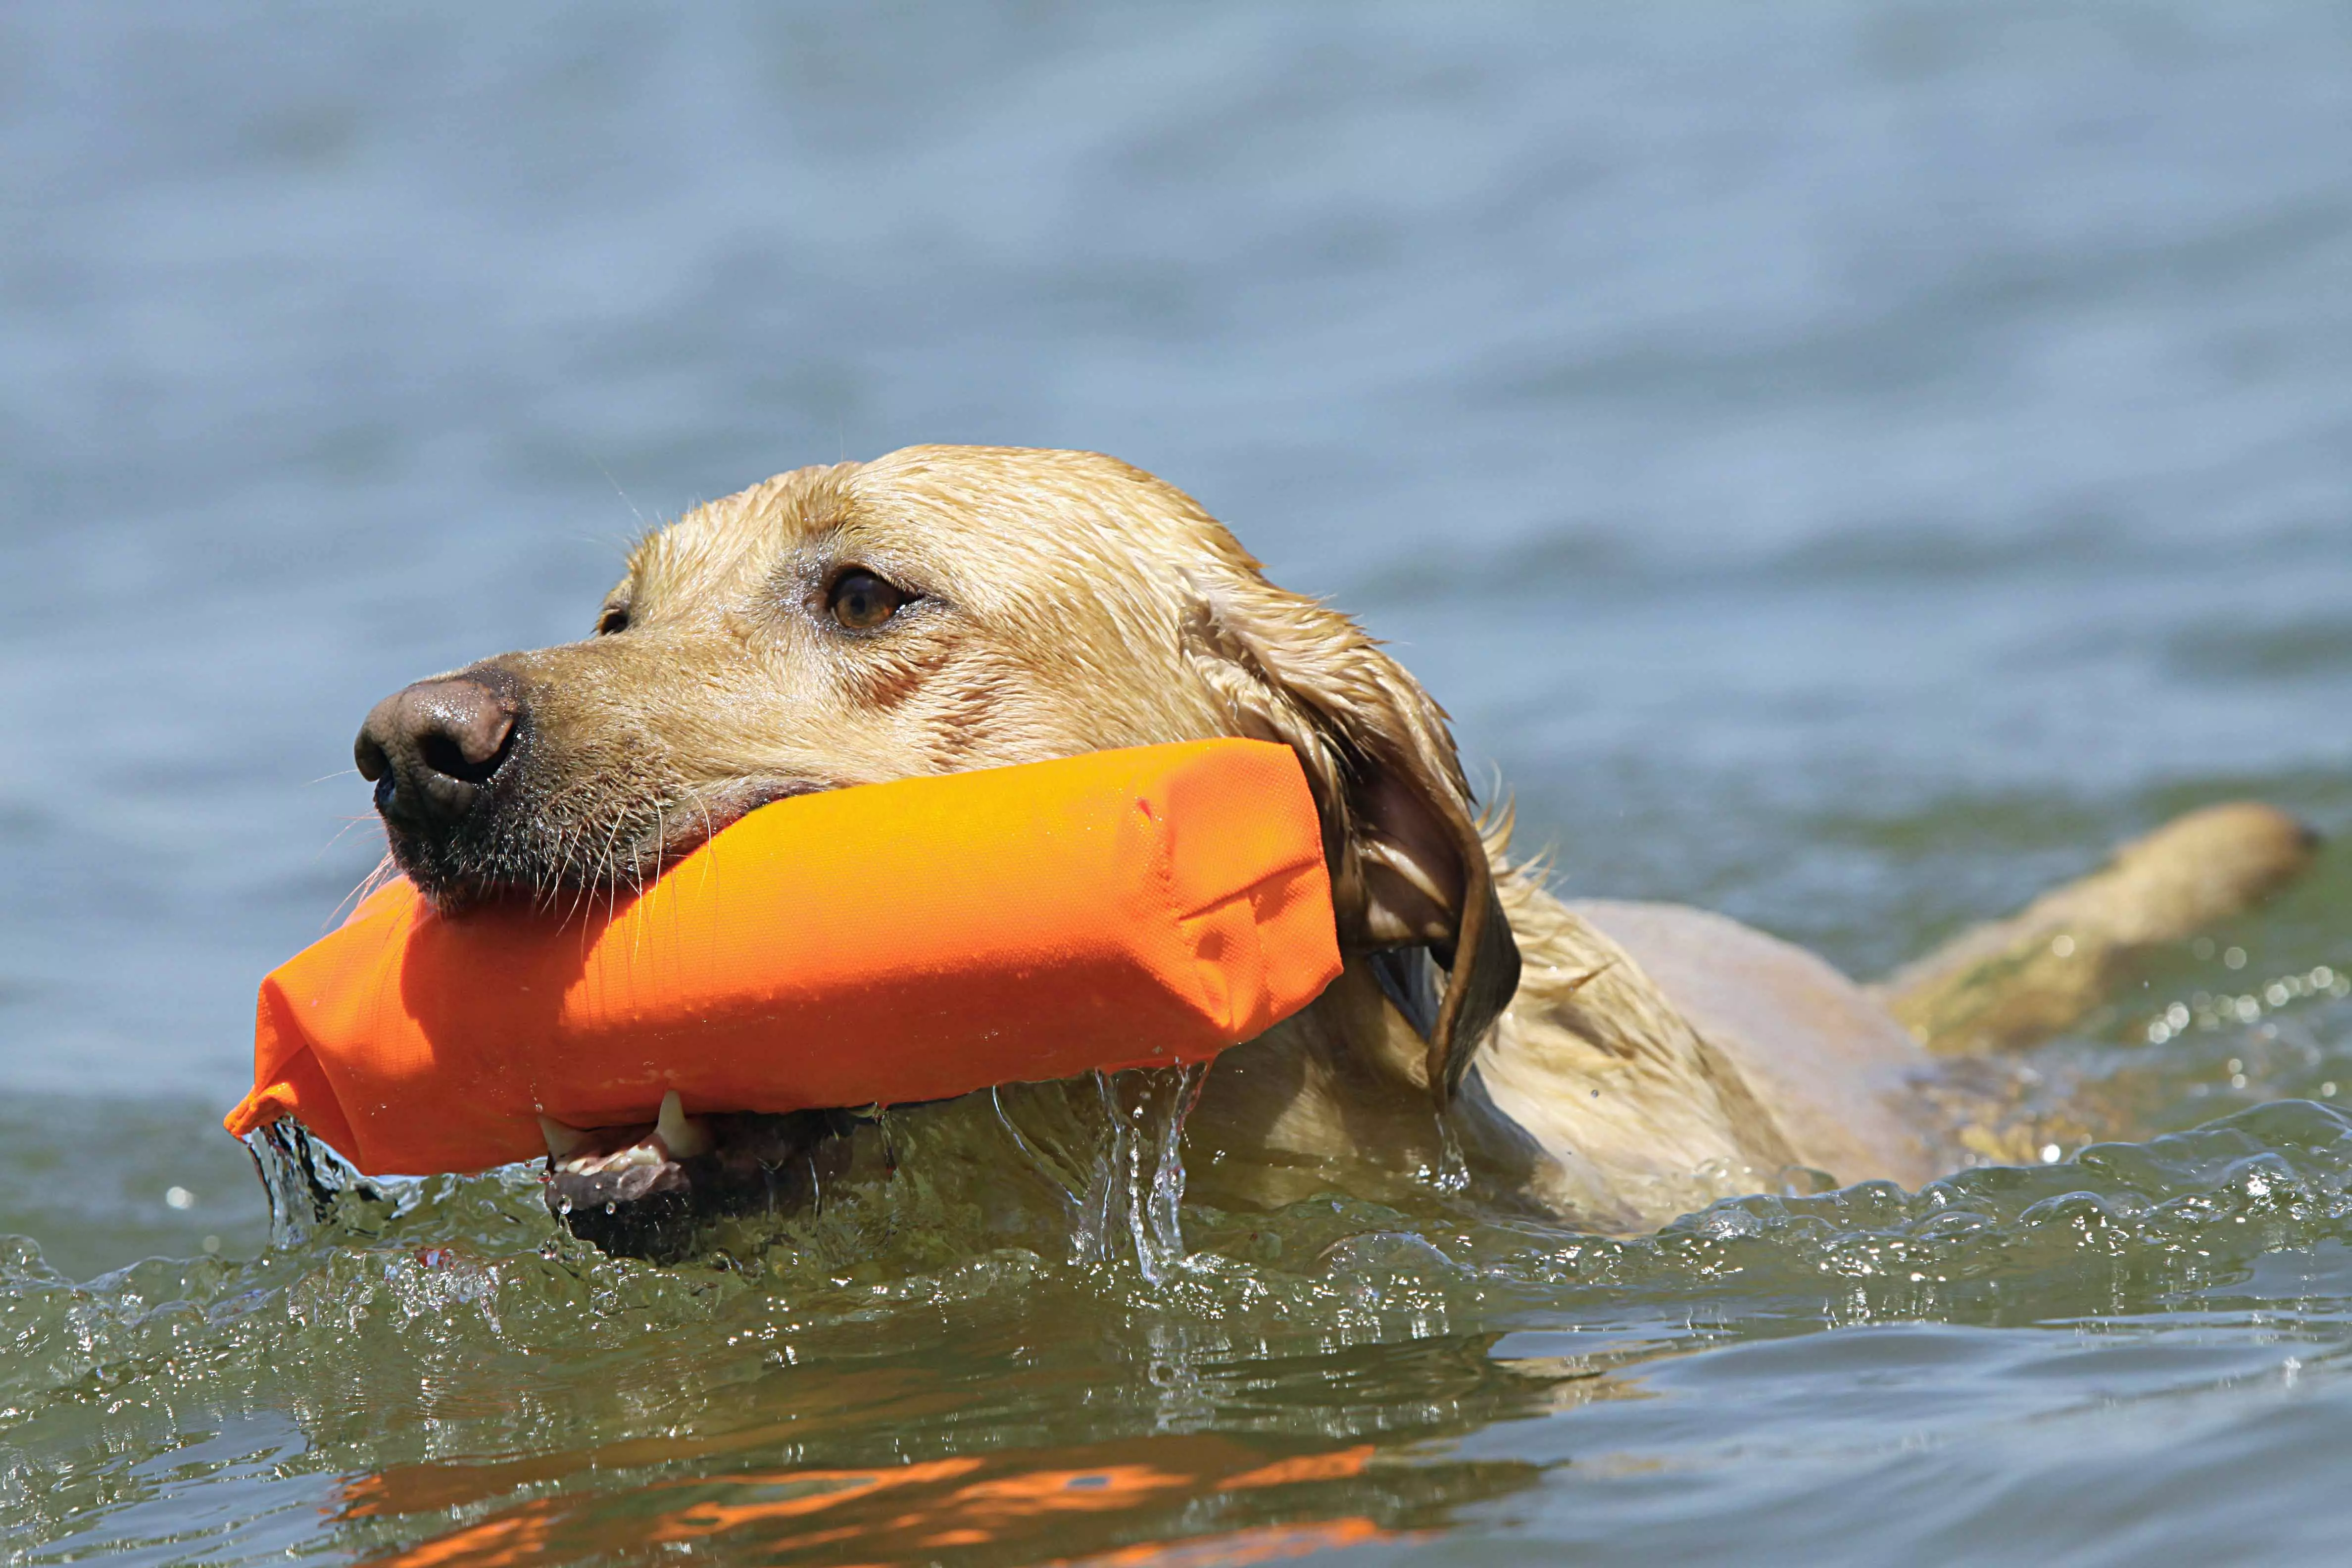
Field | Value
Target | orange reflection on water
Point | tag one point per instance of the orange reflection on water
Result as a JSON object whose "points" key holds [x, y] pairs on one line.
{"points": [[821, 1405], [965, 1516], [1237, 1548], [518, 1536], [1334, 1467], [915, 1510]]}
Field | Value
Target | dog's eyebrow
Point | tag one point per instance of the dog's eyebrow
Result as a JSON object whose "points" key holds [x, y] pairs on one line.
{"points": [[816, 558]]}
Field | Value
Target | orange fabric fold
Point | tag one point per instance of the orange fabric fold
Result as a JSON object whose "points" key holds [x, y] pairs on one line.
{"points": [[892, 943]]}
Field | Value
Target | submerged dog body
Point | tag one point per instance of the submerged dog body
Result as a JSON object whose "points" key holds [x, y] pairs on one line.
{"points": [[943, 609]]}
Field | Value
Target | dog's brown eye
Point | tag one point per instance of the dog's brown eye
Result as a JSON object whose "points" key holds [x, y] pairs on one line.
{"points": [[861, 601], [615, 619]]}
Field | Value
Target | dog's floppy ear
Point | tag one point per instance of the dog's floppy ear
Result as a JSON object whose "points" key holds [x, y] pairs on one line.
{"points": [[1410, 871]]}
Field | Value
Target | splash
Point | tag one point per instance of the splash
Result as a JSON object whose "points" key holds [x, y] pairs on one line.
{"points": [[1136, 1191], [1020, 1272]]}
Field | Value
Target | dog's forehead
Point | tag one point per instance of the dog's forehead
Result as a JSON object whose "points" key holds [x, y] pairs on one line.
{"points": [[736, 542], [990, 527]]}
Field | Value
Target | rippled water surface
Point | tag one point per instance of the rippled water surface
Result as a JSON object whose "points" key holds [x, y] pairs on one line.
{"points": [[1844, 466]]}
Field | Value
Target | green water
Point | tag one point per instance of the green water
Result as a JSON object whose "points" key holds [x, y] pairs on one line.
{"points": [[993, 1346]]}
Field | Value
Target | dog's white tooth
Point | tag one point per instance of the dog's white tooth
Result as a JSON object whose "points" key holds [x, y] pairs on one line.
{"points": [[680, 1133], [562, 1141]]}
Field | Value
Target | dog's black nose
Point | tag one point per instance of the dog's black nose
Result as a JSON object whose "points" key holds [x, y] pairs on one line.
{"points": [[430, 747]]}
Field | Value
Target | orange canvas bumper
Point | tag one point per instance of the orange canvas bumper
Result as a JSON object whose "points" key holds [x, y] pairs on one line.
{"points": [[895, 941]]}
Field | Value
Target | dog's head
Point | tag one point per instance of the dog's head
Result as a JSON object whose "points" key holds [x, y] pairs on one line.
{"points": [[937, 610]]}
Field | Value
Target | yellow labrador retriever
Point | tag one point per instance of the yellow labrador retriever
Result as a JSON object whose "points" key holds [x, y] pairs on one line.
{"points": [[946, 608]]}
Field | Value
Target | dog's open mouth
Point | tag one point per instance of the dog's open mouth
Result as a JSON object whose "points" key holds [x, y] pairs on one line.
{"points": [[644, 1191]]}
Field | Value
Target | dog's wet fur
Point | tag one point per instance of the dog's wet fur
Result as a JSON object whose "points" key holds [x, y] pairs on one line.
{"points": [[945, 608]]}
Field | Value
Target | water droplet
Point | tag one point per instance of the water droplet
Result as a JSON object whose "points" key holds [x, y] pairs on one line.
{"points": [[212, 1243], [2050, 1153], [179, 1198], [2233, 958], [2063, 946]]}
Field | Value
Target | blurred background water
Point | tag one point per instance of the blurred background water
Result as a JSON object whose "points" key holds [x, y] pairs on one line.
{"points": [[1847, 464]]}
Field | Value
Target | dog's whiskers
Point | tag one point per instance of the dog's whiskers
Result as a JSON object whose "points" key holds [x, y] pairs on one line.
{"points": [[383, 871]]}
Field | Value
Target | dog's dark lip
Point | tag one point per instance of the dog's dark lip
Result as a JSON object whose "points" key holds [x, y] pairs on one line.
{"points": [[683, 826], [630, 1191]]}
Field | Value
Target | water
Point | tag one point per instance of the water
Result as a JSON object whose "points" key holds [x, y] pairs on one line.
{"points": [[1846, 465]]}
